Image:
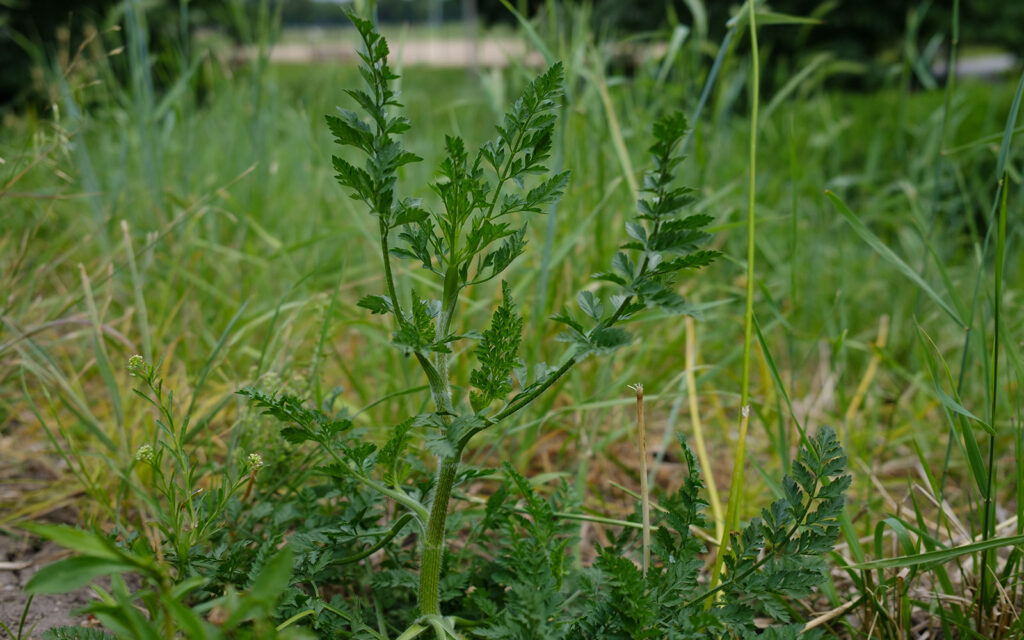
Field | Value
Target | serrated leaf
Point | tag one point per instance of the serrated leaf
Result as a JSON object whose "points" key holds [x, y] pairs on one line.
{"points": [[390, 454], [497, 261], [609, 338], [354, 178], [546, 192], [637, 231], [692, 261], [417, 332], [410, 215], [568, 320], [376, 304], [590, 304], [348, 129], [610, 277], [295, 435], [622, 263]]}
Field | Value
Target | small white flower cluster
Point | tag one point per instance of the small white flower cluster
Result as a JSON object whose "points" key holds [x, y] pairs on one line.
{"points": [[136, 366], [145, 454], [254, 461]]}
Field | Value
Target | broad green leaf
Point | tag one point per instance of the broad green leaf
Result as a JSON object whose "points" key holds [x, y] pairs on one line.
{"points": [[84, 542], [69, 574]]}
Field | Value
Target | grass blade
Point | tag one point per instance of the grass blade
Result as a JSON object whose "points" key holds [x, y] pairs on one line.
{"points": [[876, 243], [929, 559]]}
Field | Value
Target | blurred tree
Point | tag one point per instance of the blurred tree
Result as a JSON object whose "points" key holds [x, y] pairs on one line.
{"points": [[851, 29], [38, 36], [31, 31]]}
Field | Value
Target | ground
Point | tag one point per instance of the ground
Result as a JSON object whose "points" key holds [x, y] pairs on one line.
{"points": [[20, 558]]}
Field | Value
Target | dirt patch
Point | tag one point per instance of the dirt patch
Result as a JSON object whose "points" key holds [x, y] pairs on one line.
{"points": [[20, 559]]}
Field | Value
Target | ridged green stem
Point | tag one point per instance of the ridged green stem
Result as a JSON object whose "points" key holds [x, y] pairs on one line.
{"points": [[433, 541], [440, 389]]}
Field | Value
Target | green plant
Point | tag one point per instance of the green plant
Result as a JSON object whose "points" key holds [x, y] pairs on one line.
{"points": [[465, 240], [173, 514]]}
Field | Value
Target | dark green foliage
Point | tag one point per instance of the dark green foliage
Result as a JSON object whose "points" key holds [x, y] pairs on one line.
{"points": [[516, 561], [664, 243], [458, 243], [775, 557], [782, 552], [374, 184], [523, 595], [417, 333]]}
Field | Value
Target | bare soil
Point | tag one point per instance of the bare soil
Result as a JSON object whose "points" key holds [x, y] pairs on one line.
{"points": [[20, 559]]}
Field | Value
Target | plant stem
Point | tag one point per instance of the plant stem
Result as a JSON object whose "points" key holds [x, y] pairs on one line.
{"points": [[399, 496], [698, 429], [736, 484], [389, 278], [433, 542], [440, 389], [645, 499]]}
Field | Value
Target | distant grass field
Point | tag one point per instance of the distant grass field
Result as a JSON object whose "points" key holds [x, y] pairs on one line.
{"points": [[208, 233]]}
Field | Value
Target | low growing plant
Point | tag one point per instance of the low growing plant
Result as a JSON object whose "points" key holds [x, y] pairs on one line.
{"points": [[175, 512]]}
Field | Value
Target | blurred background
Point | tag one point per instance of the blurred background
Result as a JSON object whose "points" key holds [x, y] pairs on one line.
{"points": [[35, 34]]}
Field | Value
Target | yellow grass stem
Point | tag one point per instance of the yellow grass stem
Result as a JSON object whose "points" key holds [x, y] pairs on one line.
{"points": [[616, 133], [645, 497], [869, 374], [698, 428]]}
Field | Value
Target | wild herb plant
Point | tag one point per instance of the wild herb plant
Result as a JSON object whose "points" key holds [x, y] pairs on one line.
{"points": [[472, 238], [513, 577]]}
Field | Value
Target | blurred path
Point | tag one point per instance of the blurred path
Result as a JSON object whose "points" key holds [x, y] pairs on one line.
{"points": [[991, 64], [461, 52], [434, 52]]}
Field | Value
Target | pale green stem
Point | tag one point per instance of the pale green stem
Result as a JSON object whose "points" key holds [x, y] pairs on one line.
{"points": [[413, 631], [736, 484], [389, 279]]}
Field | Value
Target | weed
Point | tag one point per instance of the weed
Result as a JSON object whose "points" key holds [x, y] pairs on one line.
{"points": [[469, 242]]}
